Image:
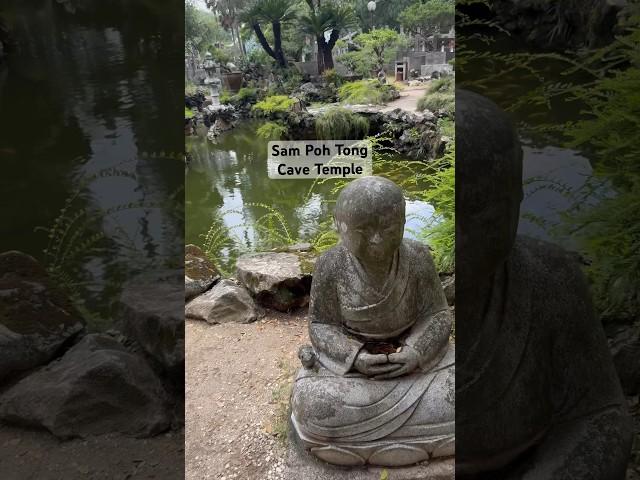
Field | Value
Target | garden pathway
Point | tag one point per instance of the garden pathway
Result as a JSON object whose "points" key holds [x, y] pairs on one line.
{"points": [[408, 100]]}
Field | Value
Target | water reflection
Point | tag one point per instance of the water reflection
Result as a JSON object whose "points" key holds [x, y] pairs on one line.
{"points": [[556, 181], [91, 88], [228, 182]]}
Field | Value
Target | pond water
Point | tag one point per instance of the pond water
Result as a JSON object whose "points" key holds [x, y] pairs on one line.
{"points": [[555, 177], [91, 87], [227, 182]]}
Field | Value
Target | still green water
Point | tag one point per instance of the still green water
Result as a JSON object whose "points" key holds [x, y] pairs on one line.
{"points": [[91, 86], [227, 181]]}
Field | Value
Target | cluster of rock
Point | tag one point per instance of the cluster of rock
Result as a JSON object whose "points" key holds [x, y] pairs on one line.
{"points": [[414, 134], [310, 92], [57, 376], [277, 280]]}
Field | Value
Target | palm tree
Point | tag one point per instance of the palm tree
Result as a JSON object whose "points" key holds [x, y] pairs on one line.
{"points": [[275, 12], [324, 18]]}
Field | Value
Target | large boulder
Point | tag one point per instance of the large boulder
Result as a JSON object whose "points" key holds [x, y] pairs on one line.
{"points": [[199, 273], [152, 309], [277, 280], [225, 302], [97, 387], [37, 320]]}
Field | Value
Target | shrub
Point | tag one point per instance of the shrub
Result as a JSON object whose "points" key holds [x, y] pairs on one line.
{"points": [[225, 97], [244, 95], [366, 91], [444, 102], [340, 123], [272, 131], [332, 77], [274, 104], [441, 85]]}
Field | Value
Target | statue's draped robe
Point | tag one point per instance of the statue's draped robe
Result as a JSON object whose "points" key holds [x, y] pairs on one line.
{"points": [[536, 390], [332, 403]]}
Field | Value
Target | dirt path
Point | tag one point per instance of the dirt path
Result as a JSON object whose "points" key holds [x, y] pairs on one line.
{"points": [[235, 393], [37, 455], [408, 100]]}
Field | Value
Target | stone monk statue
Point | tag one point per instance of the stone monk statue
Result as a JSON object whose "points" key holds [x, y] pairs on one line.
{"points": [[377, 387], [537, 395]]}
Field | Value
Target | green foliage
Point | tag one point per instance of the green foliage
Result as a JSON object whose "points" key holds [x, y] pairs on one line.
{"points": [[274, 104], [79, 235], [440, 233], [444, 102], [360, 62], [378, 42], [365, 92], [244, 95], [442, 85], [603, 83], [201, 28], [272, 131], [225, 97], [428, 17], [340, 123], [188, 113], [332, 77]]}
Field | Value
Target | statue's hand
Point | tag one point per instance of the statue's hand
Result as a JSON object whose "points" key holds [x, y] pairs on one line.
{"points": [[407, 360], [371, 365]]}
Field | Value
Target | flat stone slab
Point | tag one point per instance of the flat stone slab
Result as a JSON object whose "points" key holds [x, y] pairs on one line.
{"points": [[300, 465]]}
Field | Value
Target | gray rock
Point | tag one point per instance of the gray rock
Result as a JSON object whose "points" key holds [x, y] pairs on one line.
{"points": [[152, 312], [199, 273], [449, 287], [37, 320], [625, 349], [97, 387], [225, 302], [277, 280]]}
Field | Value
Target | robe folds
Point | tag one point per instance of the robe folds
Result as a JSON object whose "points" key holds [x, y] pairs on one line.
{"points": [[333, 404]]}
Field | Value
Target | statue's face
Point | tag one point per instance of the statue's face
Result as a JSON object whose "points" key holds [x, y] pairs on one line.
{"points": [[374, 238]]}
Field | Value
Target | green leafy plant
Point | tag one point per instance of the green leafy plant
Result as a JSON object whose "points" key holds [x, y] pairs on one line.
{"points": [[274, 104], [439, 233], [272, 131], [188, 113], [340, 123], [332, 77]]}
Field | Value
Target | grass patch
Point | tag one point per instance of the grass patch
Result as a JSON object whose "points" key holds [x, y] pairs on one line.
{"points": [[280, 396], [366, 92], [438, 101], [272, 131], [441, 85], [274, 104], [341, 123]]}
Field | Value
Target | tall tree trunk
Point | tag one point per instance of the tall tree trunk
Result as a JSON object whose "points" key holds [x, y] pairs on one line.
{"points": [[277, 45], [263, 41], [320, 60]]}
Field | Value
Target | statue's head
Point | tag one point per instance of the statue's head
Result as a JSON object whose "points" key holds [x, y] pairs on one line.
{"points": [[370, 218], [488, 185]]}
